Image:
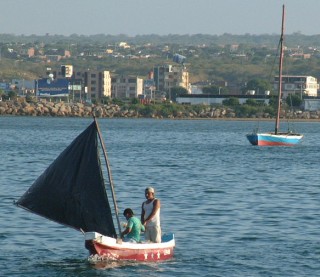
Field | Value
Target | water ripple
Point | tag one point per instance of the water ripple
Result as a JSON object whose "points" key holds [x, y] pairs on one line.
{"points": [[236, 210]]}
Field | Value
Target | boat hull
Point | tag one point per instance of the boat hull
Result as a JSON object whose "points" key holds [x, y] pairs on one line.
{"points": [[270, 139], [109, 249]]}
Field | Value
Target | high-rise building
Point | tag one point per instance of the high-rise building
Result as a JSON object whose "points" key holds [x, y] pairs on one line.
{"points": [[300, 85], [98, 84], [168, 76], [126, 86], [87, 85]]}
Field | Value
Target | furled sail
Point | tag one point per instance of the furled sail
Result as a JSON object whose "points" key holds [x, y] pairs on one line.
{"points": [[71, 190]]}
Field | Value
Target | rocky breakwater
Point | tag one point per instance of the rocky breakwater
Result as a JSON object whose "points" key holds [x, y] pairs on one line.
{"points": [[45, 108], [61, 109]]}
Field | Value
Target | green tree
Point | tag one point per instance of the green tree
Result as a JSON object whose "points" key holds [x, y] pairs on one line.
{"points": [[146, 110], [246, 110], [2, 94], [259, 85], [105, 100], [253, 102], [273, 101], [176, 92], [12, 95], [134, 101], [269, 110], [29, 97], [117, 101], [232, 102], [294, 100]]}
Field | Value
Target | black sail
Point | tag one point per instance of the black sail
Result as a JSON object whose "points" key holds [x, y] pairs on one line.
{"points": [[71, 190]]}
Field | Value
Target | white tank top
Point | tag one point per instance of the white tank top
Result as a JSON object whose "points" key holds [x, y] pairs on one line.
{"points": [[155, 221]]}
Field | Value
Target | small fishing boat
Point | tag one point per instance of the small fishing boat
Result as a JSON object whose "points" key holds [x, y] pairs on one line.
{"points": [[276, 138], [72, 192]]}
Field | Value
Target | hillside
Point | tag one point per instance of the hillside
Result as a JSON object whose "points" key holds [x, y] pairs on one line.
{"points": [[231, 58]]}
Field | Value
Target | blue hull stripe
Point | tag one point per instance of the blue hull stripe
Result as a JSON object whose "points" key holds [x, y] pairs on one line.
{"points": [[274, 140]]}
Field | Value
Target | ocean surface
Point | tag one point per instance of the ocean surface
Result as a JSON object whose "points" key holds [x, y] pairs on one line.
{"points": [[235, 209]]}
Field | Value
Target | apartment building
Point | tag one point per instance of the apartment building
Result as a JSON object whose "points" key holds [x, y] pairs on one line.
{"points": [[86, 85], [126, 86], [97, 84], [168, 76], [301, 85], [92, 85]]}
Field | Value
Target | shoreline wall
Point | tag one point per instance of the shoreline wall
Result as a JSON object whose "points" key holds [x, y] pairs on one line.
{"points": [[62, 109]]}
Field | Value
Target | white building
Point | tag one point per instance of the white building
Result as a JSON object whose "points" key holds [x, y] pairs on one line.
{"points": [[311, 104], [126, 86], [301, 85], [210, 99], [167, 76], [89, 84], [98, 84]]}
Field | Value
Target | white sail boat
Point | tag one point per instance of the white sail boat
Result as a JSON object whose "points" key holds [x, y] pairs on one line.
{"points": [[277, 138]]}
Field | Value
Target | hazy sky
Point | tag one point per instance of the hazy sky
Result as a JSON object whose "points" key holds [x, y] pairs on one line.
{"points": [[138, 17]]}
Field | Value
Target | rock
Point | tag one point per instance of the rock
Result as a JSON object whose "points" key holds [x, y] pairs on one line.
{"points": [[2, 110]]}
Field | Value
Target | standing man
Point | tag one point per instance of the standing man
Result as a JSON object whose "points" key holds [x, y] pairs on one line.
{"points": [[150, 216]]}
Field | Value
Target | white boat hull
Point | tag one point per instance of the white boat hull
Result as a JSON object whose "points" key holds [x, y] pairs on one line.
{"points": [[270, 139], [107, 248]]}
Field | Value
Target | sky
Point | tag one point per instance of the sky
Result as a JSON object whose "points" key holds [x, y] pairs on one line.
{"points": [[161, 17]]}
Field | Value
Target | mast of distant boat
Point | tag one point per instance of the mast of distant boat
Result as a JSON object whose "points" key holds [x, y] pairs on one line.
{"points": [[280, 74]]}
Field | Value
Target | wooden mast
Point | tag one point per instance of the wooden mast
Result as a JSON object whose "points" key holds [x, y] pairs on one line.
{"points": [[109, 175], [277, 126]]}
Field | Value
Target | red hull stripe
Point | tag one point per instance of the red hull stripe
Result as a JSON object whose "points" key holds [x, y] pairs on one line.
{"points": [[273, 143], [272, 140], [155, 254]]}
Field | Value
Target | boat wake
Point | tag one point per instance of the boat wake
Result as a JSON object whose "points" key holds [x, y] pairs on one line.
{"points": [[104, 262], [98, 258]]}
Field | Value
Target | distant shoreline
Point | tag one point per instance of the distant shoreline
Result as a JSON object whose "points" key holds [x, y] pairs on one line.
{"points": [[186, 118], [61, 109]]}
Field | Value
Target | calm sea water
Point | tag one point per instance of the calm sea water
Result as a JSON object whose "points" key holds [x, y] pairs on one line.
{"points": [[236, 209]]}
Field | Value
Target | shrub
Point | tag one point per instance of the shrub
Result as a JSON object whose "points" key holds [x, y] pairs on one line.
{"points": [[232, 102], [246, 111]]}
